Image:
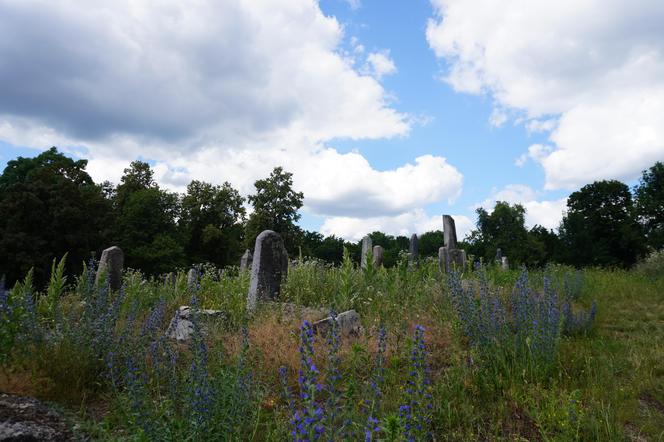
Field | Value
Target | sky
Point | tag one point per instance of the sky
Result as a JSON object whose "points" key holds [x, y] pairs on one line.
{"points": [[388, 113]]}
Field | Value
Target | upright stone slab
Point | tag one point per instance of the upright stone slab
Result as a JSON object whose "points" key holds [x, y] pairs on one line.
{"points": [[192, 277], [366, 246], [504, 263], [377, 256], [246, 260], [269, 268], [413, 250], [449, 232], [443, 259], [110, 265], [499, 255]]}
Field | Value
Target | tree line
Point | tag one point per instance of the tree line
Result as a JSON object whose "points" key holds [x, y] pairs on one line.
{"points": [[49, 206]]}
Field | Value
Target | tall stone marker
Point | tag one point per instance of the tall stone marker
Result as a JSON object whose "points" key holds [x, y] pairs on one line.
{"points": [[246, 260], [504, 263], [499, 255], [110, 265], [192, 277], [453, 257], [269, 268], [377, 256], [449, 232], [413, 251], [366, 246]]}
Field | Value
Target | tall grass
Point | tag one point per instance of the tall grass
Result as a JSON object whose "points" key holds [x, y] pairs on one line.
{"points": [[483, 355]]}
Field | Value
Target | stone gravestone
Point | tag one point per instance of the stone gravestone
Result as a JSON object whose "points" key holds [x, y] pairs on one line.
{"points": [[377, 256], [366, 246], [413, 251], [110, 265], [192, 277], [269, 268], [499, 255], [452, 256], [443, 259], [246, 260], [449, 232], [504, 263]]}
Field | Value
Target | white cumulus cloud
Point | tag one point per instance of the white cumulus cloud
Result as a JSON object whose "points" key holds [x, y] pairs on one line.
{"points": [[380, 64], [591, 72], [214, 90]]}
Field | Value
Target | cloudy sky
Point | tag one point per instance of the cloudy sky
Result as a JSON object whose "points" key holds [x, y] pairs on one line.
{"points": [[389, 113]]}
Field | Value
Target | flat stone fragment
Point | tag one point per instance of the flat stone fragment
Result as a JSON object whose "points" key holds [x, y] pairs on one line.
{"points": [[246, 260], [377, 256], [181, 327], [27, 419], [366, 246], [348, 323], [269, 268], [110, 265]]}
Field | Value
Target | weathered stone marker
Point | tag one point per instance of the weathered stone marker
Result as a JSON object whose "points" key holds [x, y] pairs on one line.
{"points": [[504, 263], [348, 324], [452, 256], [449, 232], [443, 259], [413, 251], [377, 256], [246, 260], [499, 254], [110, 265], [269, 268], [192, 277], [366, 246]]}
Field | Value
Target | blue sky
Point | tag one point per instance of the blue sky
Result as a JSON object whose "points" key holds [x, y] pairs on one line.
{"points": [[388, 113]]}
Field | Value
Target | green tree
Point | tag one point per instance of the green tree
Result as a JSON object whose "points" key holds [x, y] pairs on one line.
{"points": [[649, 195], [50, 206], [504, 228], [146, 228], [212, 223], [276, 207], [600, 227], [430, 242]]}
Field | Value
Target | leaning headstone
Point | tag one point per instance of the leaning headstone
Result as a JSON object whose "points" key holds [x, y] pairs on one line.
{"points": [[366, 246], [449, 232], [246, 260], [499, 255], [504, 263], [110, 265], [413, 251], [192, 277], [348, 324], [377, 256], [269, 268], [27, 419]]}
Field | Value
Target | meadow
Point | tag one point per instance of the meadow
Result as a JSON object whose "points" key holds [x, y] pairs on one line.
{"points": [[549, 354]]}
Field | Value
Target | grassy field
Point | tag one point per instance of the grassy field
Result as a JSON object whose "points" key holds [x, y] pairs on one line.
{"points": [[477, 356]]}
